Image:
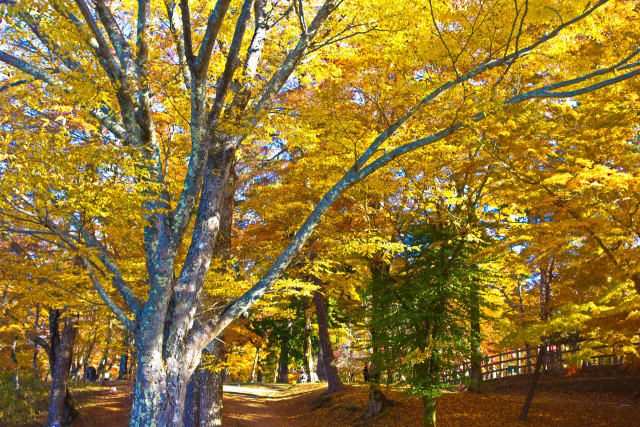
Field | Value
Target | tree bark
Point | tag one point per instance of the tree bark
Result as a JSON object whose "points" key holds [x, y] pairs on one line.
{"points": [[16, 375], [476, 353], [61, 409], [254, 368], [534, 382], [211, 388], [429, 406], [321, 370], [36, 326], [325, 342], [307, 356], [283, 360], [192, 401], [122, 367], [105, 355]]}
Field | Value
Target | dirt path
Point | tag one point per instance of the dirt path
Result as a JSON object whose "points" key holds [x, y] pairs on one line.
{"points": [[609, 401], [243, 406], [248, 409]]}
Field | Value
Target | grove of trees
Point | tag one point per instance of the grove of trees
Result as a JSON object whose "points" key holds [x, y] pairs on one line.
{"points": [[199, 189]]}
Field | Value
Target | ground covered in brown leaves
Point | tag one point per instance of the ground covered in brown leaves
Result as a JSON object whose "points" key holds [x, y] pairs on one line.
{"points": [[595, 398]]}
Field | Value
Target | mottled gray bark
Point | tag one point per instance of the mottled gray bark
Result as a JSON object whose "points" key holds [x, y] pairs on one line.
{"points": [[211, 383], [203, 404]]}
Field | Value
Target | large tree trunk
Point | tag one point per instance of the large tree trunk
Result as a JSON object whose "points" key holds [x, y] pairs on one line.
{"points": [[321, 371], [325, 343], [283, 360], [204, 392], [150, 390], [211, 388], [192, 401], [61, 410]]}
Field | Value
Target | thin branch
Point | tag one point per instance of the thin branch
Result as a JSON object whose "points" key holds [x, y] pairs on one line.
{"points": [[106, 298]]}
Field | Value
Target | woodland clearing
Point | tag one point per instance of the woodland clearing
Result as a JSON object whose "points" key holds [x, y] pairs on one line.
{"points": [[592, 397]]}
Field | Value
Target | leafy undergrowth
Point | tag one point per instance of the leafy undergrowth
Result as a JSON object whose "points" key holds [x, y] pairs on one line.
{"points": [[29, 405], [464, 409], [92, 399], [597, 398]]}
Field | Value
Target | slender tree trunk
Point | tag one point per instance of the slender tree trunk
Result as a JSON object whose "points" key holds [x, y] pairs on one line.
{"points": [[87, 356], [429, 406], [254, 368], [16, 375], [122, 368], [476, 353], [283, 360], [307, 356], [325, 342], [534, 382], [61, 410], [36, 347], [105, 355]]}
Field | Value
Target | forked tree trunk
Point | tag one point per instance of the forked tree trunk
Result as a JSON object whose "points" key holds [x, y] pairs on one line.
{"points": [[61, 410], [331, 370]]}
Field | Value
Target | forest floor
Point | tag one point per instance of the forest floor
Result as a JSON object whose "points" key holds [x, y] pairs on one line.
{"points": [[594, 397]]}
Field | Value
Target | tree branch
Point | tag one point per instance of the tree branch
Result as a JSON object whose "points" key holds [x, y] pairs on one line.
{"points": [[105, 297]]}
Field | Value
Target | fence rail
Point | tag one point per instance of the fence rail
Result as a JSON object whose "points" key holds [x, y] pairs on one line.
{"points": [[523, 360]]}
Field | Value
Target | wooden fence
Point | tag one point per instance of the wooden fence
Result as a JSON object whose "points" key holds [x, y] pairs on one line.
{"points": [[522, 361]]}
